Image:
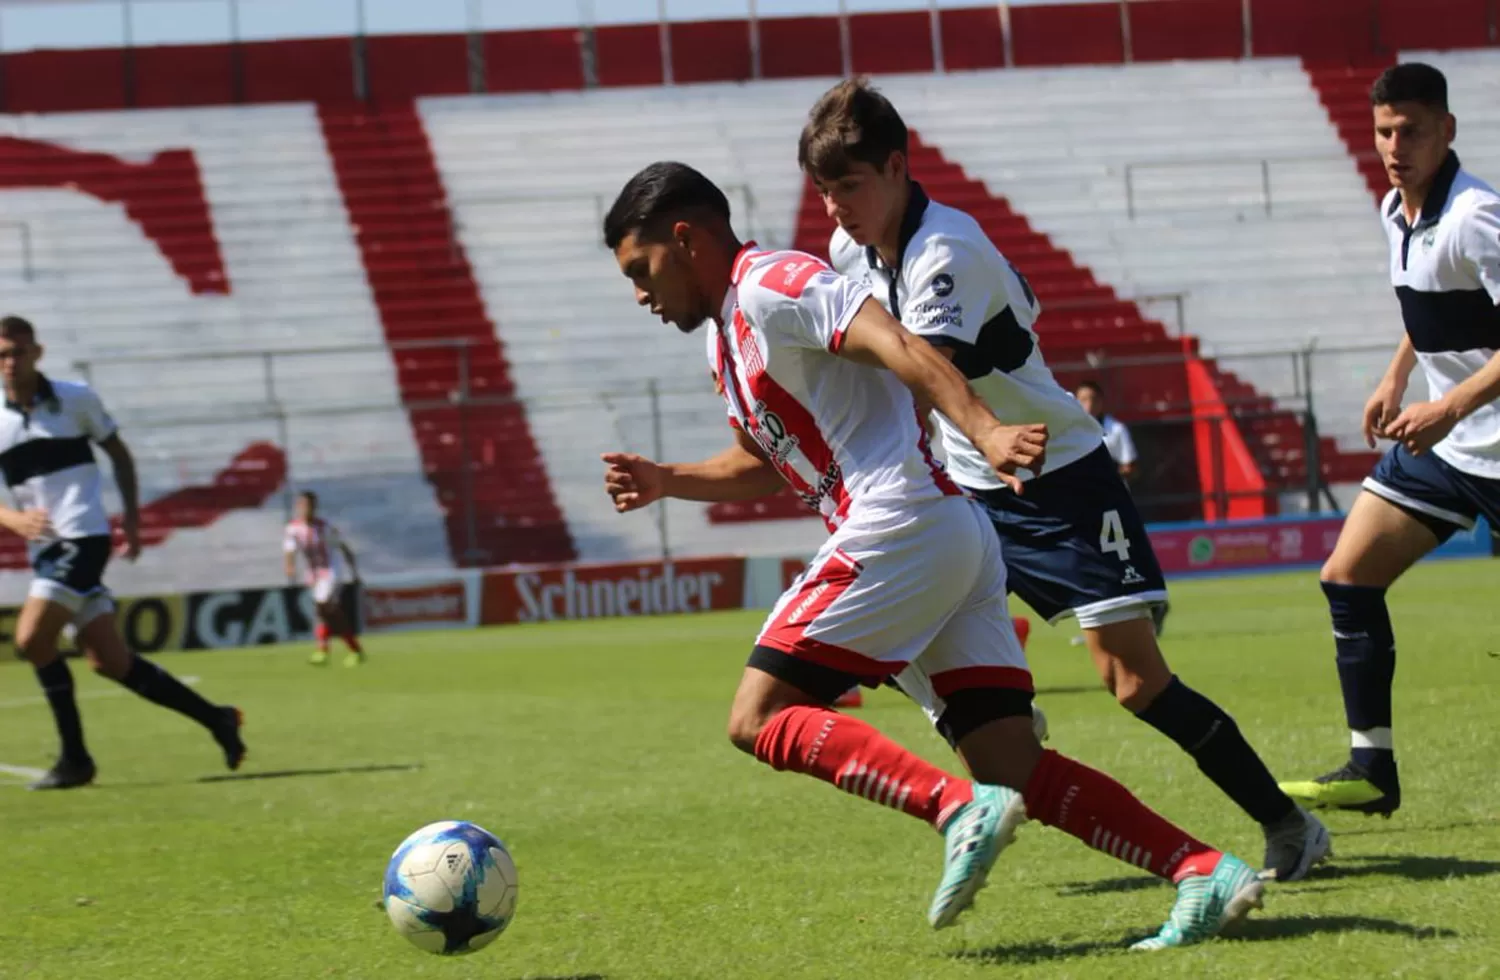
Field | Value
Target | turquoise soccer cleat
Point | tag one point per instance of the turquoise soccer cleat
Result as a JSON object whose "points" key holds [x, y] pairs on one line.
{"points": [[1207, 903], [973, 839]]}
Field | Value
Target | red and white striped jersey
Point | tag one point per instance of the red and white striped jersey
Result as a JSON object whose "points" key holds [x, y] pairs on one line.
{"points": [[318, 542], [844, 435]]}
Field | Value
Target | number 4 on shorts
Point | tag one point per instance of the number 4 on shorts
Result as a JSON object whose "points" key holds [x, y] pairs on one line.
{"points": [[1112, 539]]}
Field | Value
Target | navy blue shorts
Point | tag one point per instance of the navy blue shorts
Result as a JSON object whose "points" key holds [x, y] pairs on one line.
{"points": [[1434, 491], [1074, 544]]}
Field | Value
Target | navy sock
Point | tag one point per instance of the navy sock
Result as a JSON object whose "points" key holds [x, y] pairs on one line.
{"points": [[57, 683], [1367, 667], [1210, 736], [159, 687]]}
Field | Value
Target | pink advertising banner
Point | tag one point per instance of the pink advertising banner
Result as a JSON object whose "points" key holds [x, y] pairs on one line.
{"points": [[1226, 547]]}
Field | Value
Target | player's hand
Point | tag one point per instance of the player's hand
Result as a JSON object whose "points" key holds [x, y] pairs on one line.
{"points": [[32, 524], [130, 527], [1422, 426], [1015, 447], [1380, 411], [632, 481]]}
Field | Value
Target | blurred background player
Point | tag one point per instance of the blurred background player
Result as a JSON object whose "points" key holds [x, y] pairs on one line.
{"points": [[1116, 436], [46, 428], [908, 584], [1073, 542], [325, 553], [1443, 225], [1090, 395]]}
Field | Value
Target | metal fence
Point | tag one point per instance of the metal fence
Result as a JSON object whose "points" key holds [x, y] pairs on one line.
{"points": [[286, 397]]}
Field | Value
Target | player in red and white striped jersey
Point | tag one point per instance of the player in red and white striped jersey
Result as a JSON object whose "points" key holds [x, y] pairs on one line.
{"points": [[822, 387], [330, 566]]}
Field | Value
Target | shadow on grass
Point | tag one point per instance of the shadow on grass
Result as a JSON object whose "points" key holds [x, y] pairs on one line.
{"points": [[1413, 867], [1042, 951], [1253, 930], [1297, 926], [1110, 886], [235, 777], [1394, 827]]}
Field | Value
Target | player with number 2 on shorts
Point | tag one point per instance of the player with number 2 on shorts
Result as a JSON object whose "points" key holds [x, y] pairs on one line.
{"points": [[819, 383], [47, 433], [1072, 540]]}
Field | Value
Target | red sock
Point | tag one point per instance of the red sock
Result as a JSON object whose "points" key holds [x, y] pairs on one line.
{"points": [[858, 759], [1106, 816], [320, 632], [351, 642]]}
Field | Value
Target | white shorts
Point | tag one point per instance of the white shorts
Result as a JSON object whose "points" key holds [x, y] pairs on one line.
{"points": [[85, 607], [325, 587], [920, 598]]}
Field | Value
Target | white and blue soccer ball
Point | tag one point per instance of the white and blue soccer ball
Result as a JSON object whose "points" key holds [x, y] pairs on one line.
{"points": [[451, 888]]}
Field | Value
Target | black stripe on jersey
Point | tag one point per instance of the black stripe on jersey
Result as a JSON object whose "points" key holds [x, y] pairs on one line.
{"points": [[1456, 320], [39, 457], [1003, 345]]}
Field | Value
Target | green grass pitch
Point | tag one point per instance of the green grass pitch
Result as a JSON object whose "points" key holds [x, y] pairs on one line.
{"points": [[649, 848]]}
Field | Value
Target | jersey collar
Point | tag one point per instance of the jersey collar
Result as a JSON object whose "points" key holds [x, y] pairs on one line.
{"points": [[911, 220], [44, 393], [737, 271], [1437, 198]]}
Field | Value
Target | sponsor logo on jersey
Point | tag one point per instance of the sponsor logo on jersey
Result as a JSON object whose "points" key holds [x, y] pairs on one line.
{"points": [[939, 314], [942, 284]]}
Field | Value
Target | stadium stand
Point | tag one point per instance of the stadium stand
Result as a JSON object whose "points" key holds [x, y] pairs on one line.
{"points": [[281, 260]]}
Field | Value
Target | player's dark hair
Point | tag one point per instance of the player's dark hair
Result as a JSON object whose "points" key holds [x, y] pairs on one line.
{"points": [[852, 123], [309, 496], [16, 328], [1091, 385], [660, 195], [1411, 82]]}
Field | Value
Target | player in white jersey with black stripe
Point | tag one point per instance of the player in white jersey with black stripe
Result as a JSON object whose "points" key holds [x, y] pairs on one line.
{"points": [[1073, 542], [47, 431], [819, 381], [1443, 227]]}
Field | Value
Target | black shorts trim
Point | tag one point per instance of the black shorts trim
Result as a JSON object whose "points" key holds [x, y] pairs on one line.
{"points": [[825, 684], [972, 708]]}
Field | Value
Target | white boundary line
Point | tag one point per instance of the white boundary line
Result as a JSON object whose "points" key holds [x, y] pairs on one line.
{"points": [[26, 772]]}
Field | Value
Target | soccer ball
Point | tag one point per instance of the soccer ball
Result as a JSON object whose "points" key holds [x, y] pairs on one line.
{"points": [[451, 888]]}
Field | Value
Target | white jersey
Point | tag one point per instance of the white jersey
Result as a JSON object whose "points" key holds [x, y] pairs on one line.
{"points": [[1117, 440], [956, 289], [48, 460], [320, 546], [845, 436], [1446, 270]]}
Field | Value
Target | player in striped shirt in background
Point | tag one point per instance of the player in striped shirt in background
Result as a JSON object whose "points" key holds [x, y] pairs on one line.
{"points": [[330, 567]]}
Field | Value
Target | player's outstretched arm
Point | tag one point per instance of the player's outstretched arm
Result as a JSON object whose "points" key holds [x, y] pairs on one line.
{"points": [[1423, 425], [1385, 403], [874, 338], [349, 557], [738, 473], [124, 466]]}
